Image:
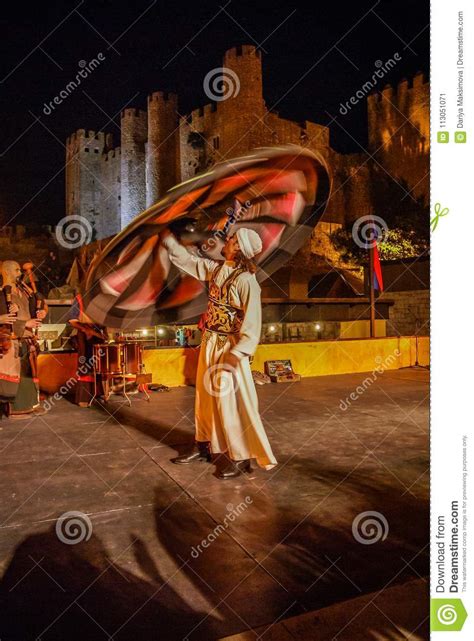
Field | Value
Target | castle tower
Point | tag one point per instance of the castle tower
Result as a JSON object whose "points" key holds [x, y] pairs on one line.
{"points": [[243, 109], [84, 176], [398, 122], [162, 149], [110, 209], [132, 174]]}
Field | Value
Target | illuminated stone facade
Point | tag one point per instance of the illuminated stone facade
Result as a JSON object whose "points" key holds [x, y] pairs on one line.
{"points": [[159, 148]]}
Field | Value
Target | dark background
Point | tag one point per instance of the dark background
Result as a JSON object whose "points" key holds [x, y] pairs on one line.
{"points": [[42, 45]]}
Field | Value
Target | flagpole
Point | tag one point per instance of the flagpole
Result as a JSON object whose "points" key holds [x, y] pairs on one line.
{"points": [[371, 291]]}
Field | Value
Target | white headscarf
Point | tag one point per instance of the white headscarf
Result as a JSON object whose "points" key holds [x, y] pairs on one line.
{"points": [[250, 242]]}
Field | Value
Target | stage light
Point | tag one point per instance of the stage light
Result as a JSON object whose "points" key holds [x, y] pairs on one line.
{"points": [[272, 328], [317, 327], [160, 331], [144, 332]]}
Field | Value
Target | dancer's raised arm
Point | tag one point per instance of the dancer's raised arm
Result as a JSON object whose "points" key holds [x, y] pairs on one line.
{"points": [[200, 268]]}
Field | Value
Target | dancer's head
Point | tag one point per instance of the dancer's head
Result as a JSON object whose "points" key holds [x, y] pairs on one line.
{"points": [[242, 247]]}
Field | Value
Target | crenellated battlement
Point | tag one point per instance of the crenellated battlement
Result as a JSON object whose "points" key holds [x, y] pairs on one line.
{"points": [[82, 134], [405, 85], [75, 137], [159, 147], [112, 154], [133, 113], [241, 51], [419, 80], [210, 108], [163, 96], [202, 112], [82, 140]]}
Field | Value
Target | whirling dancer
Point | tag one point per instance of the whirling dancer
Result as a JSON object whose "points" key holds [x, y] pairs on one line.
{"points": [[227, 417]]}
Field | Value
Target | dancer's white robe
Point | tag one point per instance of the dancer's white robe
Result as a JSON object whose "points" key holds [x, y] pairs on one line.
{"points": [[226, 401]]}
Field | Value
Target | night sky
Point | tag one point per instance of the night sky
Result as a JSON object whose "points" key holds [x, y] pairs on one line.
{"points": [[171, 46]]}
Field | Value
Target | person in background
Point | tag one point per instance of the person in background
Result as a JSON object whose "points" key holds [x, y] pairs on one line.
{"points": [[31, 309], [9, 364], [87, 335]]}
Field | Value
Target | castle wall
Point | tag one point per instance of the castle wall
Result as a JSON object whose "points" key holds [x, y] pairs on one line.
{"points": [[162, 150], [281, 131], [399, 136], [190, 157], [133, 183], [241, 114], [111, 193], [84, 175], [72, 171], [410, 314], [320, 243], [207, 148], [351, 196]]}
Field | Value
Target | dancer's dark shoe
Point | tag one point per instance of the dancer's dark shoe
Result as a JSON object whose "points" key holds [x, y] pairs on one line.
{"points": [[234, 468], [201, 452]]}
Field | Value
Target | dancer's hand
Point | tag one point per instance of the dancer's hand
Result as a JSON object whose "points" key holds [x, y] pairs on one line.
{"points": [[14, 308], [41, 313]]}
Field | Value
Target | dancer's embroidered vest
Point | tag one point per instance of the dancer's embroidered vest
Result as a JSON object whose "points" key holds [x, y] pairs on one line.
{"points": [[221, 316]]}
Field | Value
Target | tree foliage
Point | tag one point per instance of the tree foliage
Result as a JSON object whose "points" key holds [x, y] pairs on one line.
{"points": [[405, 216]]}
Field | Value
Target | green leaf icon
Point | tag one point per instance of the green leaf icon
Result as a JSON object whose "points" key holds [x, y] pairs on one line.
{"points": [[447, 615], [439, 213]]}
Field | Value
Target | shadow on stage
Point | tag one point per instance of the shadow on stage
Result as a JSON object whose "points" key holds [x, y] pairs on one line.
{"points": [[276, 558]]}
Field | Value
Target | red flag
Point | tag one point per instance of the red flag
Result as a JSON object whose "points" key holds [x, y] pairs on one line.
{"points": [[378, 280]]}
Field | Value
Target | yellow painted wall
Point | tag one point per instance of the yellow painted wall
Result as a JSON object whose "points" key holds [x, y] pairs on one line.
{"points": [[172, 367], [361, 328], [177, 366], [323, 358]]}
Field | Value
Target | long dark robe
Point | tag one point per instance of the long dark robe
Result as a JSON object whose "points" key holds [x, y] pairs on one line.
{"points": [[84, 388], [27, 396]]}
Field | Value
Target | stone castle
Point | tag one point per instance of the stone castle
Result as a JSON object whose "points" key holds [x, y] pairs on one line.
{"points": [[159, 148]]}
